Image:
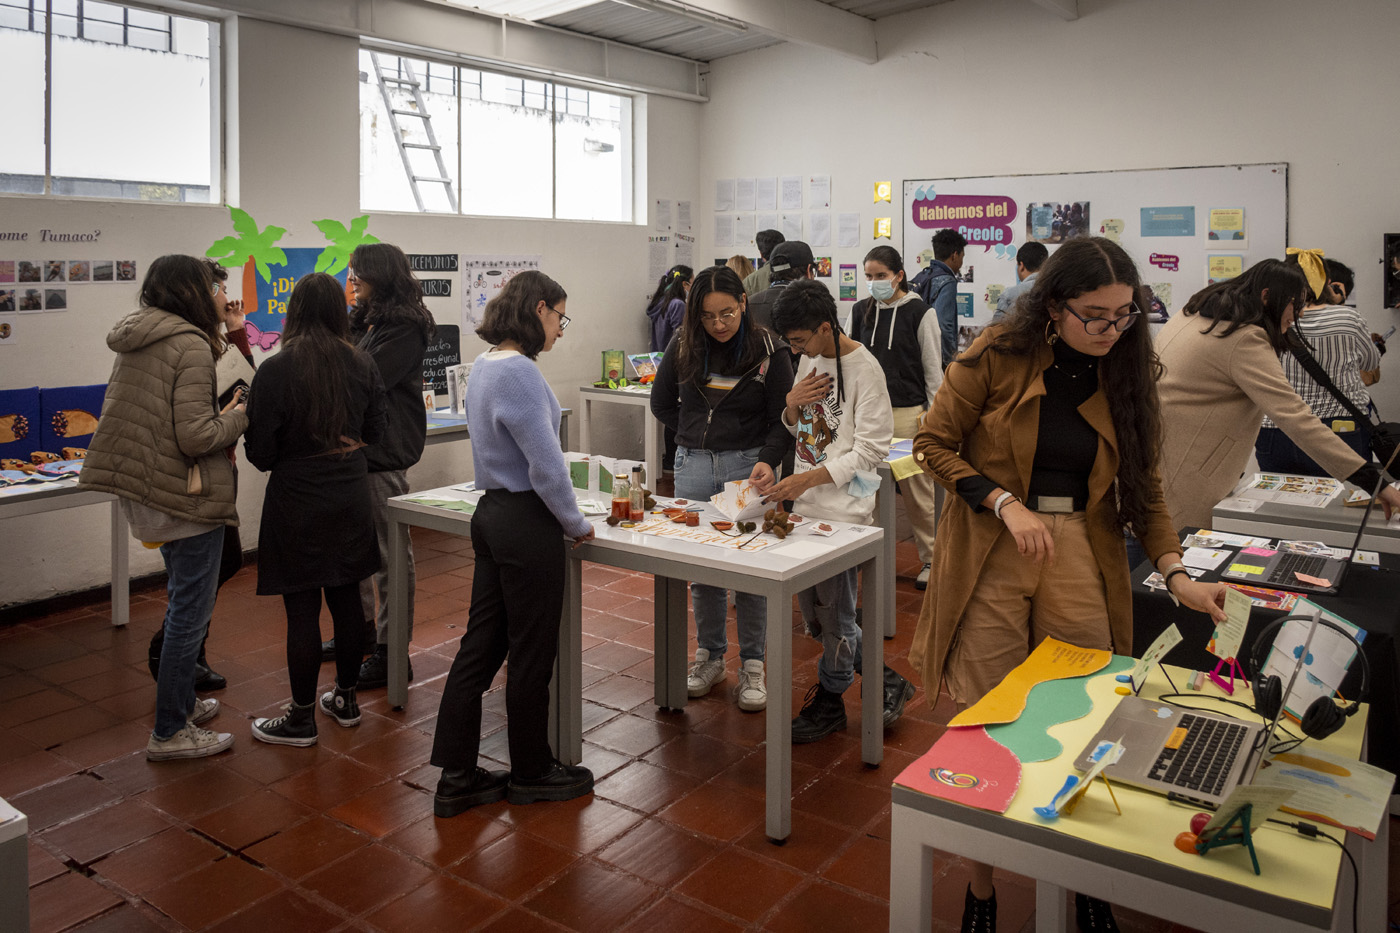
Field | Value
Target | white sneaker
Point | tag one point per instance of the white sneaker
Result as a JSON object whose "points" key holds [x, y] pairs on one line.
{"points": [[204, 710], [189, 742], [704, 673], [751, 694], [921, 581]]}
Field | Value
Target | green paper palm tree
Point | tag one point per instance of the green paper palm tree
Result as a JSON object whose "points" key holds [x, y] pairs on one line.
{"points": [[336, 256], [252, 249]]}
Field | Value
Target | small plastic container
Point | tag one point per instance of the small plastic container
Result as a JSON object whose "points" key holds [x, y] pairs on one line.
{"points": [[692, 519]]}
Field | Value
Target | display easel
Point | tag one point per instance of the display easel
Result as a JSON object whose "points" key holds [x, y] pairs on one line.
{"points": [[1233, 668], [1235, 832]]}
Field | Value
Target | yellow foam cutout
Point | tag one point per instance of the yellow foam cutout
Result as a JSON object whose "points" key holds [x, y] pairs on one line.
{"points": [[1051, 660]]}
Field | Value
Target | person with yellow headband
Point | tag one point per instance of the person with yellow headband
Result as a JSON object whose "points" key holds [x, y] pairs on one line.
{"points": [[1223, 375], [1338, 339]]}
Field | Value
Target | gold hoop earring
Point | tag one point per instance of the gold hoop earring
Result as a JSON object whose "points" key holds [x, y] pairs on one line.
{"points": [[1050, 335]]}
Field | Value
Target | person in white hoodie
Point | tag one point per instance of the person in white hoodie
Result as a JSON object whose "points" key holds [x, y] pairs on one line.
{"points": [[901, 331], [839, 411]]}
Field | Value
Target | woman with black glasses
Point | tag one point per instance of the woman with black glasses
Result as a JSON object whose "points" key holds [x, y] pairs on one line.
{"points": [[722, 387], [1048, 433]]}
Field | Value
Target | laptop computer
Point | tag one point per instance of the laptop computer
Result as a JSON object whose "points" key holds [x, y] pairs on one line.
{"points": [[1281, 570], [1190, 753]]}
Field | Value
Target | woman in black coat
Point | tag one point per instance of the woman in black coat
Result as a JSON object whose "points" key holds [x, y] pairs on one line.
{"points": [[314, 408]]}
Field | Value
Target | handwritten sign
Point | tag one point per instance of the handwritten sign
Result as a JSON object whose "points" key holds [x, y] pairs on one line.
{"points": [[444, 351]]}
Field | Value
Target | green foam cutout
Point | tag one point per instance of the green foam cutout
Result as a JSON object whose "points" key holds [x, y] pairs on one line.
{"points": [[1048, 704]]}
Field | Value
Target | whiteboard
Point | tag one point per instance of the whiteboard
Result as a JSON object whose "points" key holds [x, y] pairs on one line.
{"points": [[1162, 217]]}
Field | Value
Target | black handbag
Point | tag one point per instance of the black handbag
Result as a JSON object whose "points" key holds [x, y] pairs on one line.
{"points": [[1383, 437]]}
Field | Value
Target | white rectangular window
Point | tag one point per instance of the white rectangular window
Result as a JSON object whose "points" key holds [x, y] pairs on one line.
{"points": [[109, 71], [439, 137]]}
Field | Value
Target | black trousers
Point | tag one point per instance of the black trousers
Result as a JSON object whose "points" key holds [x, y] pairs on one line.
{"points": [[517, 598]]}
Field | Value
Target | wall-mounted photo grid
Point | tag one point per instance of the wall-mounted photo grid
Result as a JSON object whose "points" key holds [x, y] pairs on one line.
{"points": [[31, 286]]}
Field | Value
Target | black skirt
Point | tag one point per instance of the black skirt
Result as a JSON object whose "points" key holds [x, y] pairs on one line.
{"points": [[317, 529]]}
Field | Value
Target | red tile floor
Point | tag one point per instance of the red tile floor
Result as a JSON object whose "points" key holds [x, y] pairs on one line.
{"points": [[342, 837]]}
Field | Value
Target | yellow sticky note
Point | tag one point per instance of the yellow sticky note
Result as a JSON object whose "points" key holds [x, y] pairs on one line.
{"points": [[1246, 568]]}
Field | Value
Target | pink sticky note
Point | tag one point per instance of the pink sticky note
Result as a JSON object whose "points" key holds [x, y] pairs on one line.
{"points": [[1315, 581], [1259, 551]]}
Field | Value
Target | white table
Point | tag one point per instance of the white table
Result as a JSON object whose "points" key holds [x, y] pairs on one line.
{"points": [[1334, 524], [37, 498], [776, 573], [651, 428], [14, 868], [1217, 892]]}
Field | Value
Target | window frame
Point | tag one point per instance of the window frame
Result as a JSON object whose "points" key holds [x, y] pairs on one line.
{"points": [[218, 182], [553, 83]]}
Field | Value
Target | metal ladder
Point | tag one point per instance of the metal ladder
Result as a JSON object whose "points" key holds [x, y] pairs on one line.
{"points": [[415, 88]]}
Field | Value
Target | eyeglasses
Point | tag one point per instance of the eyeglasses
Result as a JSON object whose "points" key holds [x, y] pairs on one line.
{"points": [[220, 286], [563, 319], [350, 276], [710, 320], [1100, 325]]}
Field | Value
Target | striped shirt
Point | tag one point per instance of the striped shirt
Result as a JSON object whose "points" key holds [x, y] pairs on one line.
{"points": [[1342, 344]]}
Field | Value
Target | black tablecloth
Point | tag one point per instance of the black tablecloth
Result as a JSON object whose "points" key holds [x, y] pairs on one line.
{"points": [[1369, 598]]}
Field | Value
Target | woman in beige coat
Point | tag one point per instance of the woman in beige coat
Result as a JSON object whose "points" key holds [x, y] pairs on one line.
{"points": [[1046, 432], [1223, 376]]}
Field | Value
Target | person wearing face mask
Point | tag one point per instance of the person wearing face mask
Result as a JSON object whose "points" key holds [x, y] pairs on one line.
{"points": [[1223, 375], [898, 328]]}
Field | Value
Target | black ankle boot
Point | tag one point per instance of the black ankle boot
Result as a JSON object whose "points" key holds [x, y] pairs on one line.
{"points": [[979, 916], [1094, 915], [205, 677]]}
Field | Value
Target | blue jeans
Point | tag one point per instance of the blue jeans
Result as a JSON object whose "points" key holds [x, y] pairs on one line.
{"points": [[1277, 453], [192, 566], [699, 475], [829, 610]]}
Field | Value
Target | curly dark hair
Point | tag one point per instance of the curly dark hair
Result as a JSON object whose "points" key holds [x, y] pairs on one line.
{"points": [[1127, 375]]}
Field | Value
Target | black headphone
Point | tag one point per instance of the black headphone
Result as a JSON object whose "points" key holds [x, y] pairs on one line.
{"points": [[1322, 717]]}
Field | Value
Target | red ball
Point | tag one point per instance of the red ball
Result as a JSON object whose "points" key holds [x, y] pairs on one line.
{"points": [[1186, 842], [1198, 822]]}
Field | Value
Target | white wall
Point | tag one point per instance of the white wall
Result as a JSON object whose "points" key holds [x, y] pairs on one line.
{"points": [[1000, 87], [296, 150]]}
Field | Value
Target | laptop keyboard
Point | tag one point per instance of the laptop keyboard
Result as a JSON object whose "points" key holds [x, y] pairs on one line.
{"points": [[1202, 759], [1302, 563]]}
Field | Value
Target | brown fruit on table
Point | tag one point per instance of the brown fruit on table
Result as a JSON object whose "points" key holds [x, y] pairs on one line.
{"points": [[613, 520]]}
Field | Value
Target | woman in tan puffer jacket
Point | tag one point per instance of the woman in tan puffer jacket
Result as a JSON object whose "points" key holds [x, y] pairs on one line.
{"points": [[160, 447]]}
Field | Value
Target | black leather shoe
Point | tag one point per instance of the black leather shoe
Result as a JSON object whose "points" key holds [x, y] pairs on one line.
{"points": [[1094, 915], [823, 713], [375, 671], [459, 791], [328, 646], [897, 692], [979, 916], [328, 650], [560, 782], [205, 678]]}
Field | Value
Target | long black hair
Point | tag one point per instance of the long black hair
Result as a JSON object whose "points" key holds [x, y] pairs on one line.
{"points": [[671, 286], [1259, 296], [513, 315], [888, 257], [396, 297], [749, 345], [184, 286], [1127, 375], [806, 305], [316, 338]]}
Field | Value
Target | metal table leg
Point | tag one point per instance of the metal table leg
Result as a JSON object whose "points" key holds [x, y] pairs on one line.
{"points": [[398, 613], [670, 621]]}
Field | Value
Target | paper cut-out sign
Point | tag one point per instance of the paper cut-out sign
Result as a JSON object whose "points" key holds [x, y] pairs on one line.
{"points": [[1051, 660], [1169, 639], [966, 766], [882, 191]]}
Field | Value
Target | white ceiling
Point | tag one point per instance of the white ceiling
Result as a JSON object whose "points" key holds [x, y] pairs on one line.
{"points": [[703, 30]]}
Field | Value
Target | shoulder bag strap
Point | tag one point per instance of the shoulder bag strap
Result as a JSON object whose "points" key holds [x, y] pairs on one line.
{"points": [[1304, 356]]}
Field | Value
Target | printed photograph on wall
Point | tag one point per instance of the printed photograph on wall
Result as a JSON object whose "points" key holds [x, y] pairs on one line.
{"points": [[1392, 270], [1052, 222], [126, 270], [28, 271], [7, 299], [79, 270], [102, 270], [31, 299], [55, 270], [55, 299], [965, 273], [823, 267], [7, 270], [1159, 297]]}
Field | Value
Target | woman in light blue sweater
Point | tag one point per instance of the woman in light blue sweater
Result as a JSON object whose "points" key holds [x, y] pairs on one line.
{"points": [[518, 533]]}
